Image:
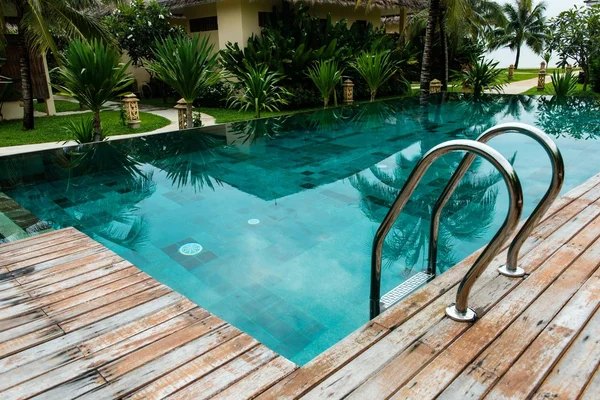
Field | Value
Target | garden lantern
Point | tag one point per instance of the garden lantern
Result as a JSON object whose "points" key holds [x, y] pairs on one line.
{"points": [[511, 72], [541, 86], [435, 86], [569, 69], [348, 92], [181, 107], [132, 112]]}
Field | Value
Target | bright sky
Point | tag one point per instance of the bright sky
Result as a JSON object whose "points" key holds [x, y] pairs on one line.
{"points": [[528, 58]]}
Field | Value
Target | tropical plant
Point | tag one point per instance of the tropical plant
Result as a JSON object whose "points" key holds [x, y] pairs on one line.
{"points": [[482, 75], [525, 24], [81, 129], [375, 68], [259, 89], [93, 75], [36, 21], [188, 65], [326, 76], [576, 35], [563, 85], [138, 24]]}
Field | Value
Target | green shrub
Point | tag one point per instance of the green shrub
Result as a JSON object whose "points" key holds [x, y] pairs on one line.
{"points": [[482, 75], [258, 89], [375, 68], [326, 76], [595, 75], [563, 85], [303, 97]]}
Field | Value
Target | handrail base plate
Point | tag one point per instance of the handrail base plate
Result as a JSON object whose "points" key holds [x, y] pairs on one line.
{"points": [[468, 316], [516, 273]]}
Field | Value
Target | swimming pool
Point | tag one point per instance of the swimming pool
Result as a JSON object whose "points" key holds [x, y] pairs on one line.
{"points": [[268, 224]]}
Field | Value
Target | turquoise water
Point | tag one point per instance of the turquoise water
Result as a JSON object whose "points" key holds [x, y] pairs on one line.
{"points": [[285, 209]]}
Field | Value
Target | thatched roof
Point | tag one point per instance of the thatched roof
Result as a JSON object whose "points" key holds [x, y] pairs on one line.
{"points": [[382, 4]]}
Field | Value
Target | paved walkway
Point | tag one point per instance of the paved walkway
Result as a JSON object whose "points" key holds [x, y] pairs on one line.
{"points": [[523, 86], [168, 113]]}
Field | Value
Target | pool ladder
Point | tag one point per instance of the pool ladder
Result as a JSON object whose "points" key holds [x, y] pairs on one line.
{"points": [[460, 311]]}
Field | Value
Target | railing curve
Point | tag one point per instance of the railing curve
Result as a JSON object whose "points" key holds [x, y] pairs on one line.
{"points": [[460, 310], [511, 268]]}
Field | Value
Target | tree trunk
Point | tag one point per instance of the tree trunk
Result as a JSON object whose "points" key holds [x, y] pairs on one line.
{"points": [[444, 43], [97, 127], [518, 56], [26, 83], [256, 109], [189, 115], [434, 10], [373, 93]]}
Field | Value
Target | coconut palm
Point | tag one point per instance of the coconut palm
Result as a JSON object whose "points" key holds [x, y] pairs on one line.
{"points": [[525, 24], [258, 89], [35, 20], [326, 76], [93, 75], [189, 65], [375, 68]]}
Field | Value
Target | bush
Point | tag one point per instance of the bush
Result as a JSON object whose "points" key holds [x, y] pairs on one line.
{"points": [[303, 97], [215, 95]]}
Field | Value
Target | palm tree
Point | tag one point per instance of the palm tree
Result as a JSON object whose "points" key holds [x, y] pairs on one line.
{"points": [[375, 68], [35, 19], [188, 65], [93, 75], [326, 75], [525, 24]]}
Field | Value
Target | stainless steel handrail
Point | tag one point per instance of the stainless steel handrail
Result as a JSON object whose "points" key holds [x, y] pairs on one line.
{"points": [[511, 268], [460, 310]]}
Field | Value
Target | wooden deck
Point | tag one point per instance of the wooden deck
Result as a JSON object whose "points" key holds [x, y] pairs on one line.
{"points": [[76, 320]]}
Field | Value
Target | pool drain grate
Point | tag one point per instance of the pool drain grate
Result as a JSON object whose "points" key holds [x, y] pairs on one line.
{"points": [[404, 289], [190, 249]]}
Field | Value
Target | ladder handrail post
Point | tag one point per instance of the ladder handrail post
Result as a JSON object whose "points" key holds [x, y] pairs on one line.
{"points": [[512, 219]]}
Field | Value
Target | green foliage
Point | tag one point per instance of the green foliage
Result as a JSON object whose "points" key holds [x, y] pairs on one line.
{"points": [[93, 75], [258, 89], [525, 24], [326, 75], [482, 75], [375, 68], [81, 129], [595, 74], [188, 65], [575, 34], [563, 85], [137, 26]]}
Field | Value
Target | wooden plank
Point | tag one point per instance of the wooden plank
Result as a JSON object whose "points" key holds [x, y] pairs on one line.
{"points": [[168, 314], [38, 239], [158, 367], [159, 348], [593, 387], [83, 289], [44, 247], [21, 343], [195, 369], [52, 250], [227, 375], [21, 319], [60, 315], [37, 264], [80, 280], [305, 378], [115, 308], [73, 388], [87, 332], [257, 381], [24, 329], [73, 266], [525, 375], [570, 376], [65, 359]]}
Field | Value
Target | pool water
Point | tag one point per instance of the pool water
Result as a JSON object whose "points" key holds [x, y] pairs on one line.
{"points": [[268, 224]]}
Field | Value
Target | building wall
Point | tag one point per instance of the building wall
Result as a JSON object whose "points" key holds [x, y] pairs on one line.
{"points": [[200, 11], [348, 13]]}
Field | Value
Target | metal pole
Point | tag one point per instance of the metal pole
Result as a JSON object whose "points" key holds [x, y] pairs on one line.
{"points": [[460, 311], [511, 268]]}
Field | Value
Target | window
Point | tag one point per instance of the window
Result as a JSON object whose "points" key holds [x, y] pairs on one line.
{"points": [[264, 18], [204, 24]]}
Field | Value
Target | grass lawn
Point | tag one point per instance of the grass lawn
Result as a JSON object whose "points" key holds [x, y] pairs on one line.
{"points": [[52, 129], [549, 90], [61, 106]]}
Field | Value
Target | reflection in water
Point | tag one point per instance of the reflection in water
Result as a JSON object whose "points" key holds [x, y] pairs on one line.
{"points": [[575, 117]]}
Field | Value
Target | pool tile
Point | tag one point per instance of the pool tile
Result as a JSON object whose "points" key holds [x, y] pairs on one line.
{"points": [[280, 330]]}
